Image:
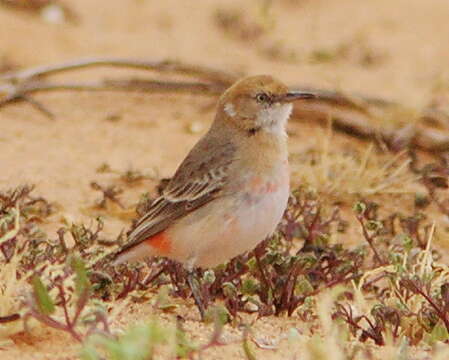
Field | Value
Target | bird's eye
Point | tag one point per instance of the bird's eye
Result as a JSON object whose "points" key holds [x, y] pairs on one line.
{"points": [[262, 98]]}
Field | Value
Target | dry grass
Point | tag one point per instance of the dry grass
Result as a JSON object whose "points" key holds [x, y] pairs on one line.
{"points": [[354, 171]]}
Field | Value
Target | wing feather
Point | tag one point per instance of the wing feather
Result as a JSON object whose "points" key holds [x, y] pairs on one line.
{"points": [[194, 184]]}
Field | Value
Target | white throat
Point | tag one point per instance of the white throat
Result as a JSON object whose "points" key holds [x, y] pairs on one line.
{"points": [[274, 118]]}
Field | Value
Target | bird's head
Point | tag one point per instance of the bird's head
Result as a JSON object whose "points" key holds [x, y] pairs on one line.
{"points": [[259, 103]]}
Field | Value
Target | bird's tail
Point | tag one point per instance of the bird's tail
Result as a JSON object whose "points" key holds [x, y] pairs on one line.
{"points": [[132, 254]]}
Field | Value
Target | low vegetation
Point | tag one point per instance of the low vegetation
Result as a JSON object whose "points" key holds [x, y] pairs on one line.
{"points": [[389, 294]]}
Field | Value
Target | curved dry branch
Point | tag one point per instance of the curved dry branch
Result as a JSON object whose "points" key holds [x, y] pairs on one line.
{"points": [[353, 114], [361, 123], [164, 66], [22, 91], [152, 86]]}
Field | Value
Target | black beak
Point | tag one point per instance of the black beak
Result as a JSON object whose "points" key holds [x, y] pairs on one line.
{"points": [[297, 95]]}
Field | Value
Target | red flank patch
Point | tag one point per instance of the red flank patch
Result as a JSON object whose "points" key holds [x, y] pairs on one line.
{"points": [[160, 242]]}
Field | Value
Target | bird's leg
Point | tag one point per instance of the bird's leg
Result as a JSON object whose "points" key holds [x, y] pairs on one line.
{"points": [[193, 284], [194, 287]]}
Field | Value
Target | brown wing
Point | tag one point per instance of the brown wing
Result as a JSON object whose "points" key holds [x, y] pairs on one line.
{"points": [[194, 184]]}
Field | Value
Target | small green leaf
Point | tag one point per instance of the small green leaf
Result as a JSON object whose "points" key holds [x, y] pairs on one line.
{"points": [[303, 286], [209, 277], [307, 261], [407, 243], [373, 225], [250, 286], [82, 283], [360, 208], [44, 302], [229, 289], [247, 349], [252, 265], [322, 240], [163, 300], [183, 346], [218, 315], [439, 333]]}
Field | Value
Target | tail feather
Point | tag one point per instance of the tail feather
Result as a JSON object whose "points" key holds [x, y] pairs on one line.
{"points": [[132, 254]]}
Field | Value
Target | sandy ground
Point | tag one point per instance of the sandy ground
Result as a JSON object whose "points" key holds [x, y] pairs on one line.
{"points": [[408, 40]]}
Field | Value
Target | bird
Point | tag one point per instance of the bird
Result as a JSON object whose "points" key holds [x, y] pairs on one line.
{"points": [[231, 190]]}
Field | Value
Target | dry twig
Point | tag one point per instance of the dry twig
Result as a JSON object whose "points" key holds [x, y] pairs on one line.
{"points": [[354, 115]]}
